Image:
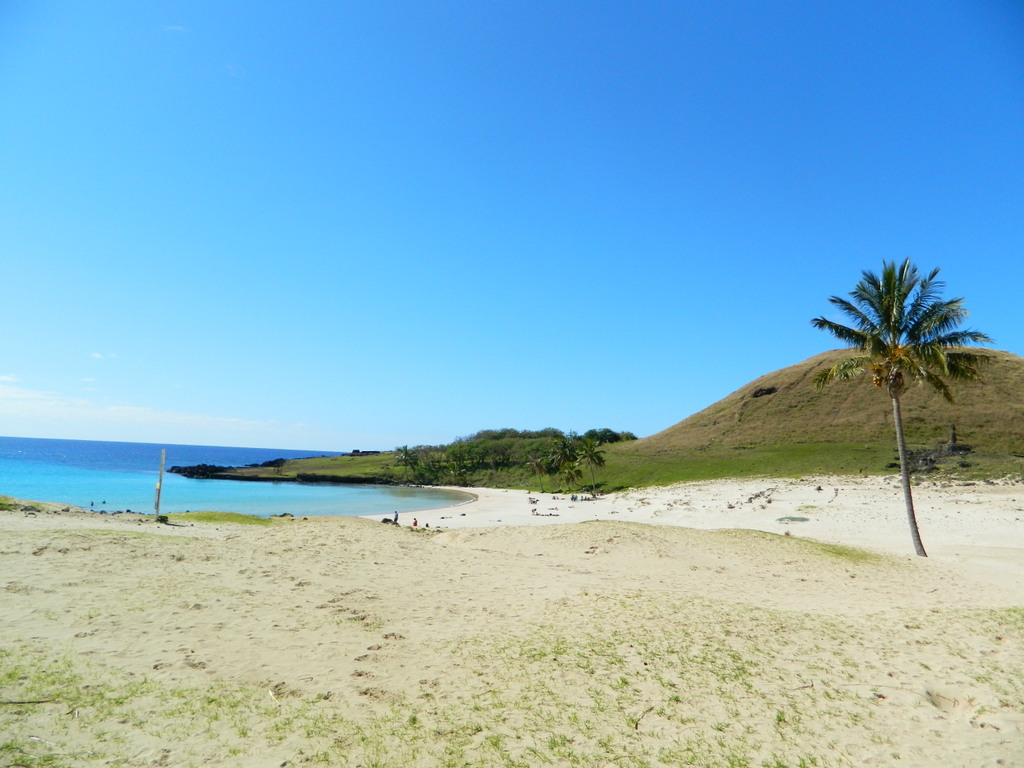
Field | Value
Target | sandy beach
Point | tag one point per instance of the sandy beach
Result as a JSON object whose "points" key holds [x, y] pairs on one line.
{"points": [[728, 623]]}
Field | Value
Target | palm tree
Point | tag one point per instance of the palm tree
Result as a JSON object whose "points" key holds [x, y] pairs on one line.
{"points": [[571, 474], [539, 467], [565, 460], [590, 454], [903, 331], [563, 451], [406, 457], [457, 459]]}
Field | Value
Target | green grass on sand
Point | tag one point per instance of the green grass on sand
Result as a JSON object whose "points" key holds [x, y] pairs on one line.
{"points": [[219, 517]]}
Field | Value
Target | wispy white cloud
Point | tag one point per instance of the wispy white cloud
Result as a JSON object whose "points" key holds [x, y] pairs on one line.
{"points": [[48, 414], [8, 378], [9, 394], [173, 28]]}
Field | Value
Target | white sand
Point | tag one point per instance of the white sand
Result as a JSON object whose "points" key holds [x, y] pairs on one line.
{"points": [[980, 525], [625, 631]]}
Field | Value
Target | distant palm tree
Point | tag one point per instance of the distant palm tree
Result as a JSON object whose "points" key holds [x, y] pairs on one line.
{"points": [[903, 331], [563, 452], [539, 467], [407, 457], [590, 454], [457, 458], [571, 474]]}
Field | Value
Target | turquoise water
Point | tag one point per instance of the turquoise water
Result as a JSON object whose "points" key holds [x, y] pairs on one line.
{"points": [[106, 476]]}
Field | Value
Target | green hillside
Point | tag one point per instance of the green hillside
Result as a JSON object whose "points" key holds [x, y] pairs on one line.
{"points": [[777, 425], [784, 407]]}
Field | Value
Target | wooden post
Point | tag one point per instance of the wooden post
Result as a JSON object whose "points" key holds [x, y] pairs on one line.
{"points": [[160, 481]]}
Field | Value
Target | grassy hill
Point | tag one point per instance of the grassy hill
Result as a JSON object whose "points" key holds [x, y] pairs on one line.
{"points": [[777, 425], [780, 424], [784, 407]]}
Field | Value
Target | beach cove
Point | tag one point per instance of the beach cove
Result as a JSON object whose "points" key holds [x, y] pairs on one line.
{"points": [[121, 477], [717, 623]]}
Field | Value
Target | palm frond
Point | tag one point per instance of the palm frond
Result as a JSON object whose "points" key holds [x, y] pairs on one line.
{"points": [[845, 369], [861, 318], [869, 295], [963, 338], [925, 305], [854, 337], [965, 366], [937, 383], [928, 355], [937, 318]]}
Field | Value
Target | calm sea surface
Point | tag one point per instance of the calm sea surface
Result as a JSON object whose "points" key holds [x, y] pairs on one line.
{"points": [[122, 476]]}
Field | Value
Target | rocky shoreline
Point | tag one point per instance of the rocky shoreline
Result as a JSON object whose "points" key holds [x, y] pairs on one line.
{"points": [[215, 472]]}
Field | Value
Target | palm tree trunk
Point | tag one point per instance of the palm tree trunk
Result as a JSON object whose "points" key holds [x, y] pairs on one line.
{"points": [[908, 497]]}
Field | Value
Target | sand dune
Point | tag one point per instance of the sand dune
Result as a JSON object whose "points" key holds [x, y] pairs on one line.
{"points": [[670, 626]]}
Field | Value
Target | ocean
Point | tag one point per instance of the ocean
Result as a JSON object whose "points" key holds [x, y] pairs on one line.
{"points": [[113, 477]]}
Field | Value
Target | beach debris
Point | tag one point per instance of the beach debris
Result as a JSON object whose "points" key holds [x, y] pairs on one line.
{"points": [[636, 721], [282, 691], [28, 701]]}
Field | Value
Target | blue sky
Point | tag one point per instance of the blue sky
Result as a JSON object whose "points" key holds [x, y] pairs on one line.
{"points": [[363, 224]]}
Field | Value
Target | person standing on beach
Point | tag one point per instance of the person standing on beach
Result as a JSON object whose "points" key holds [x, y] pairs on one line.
{"points": [[396, 517]]}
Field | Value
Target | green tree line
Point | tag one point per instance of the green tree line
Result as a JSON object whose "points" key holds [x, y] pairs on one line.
{"points": [[550, 456]]}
